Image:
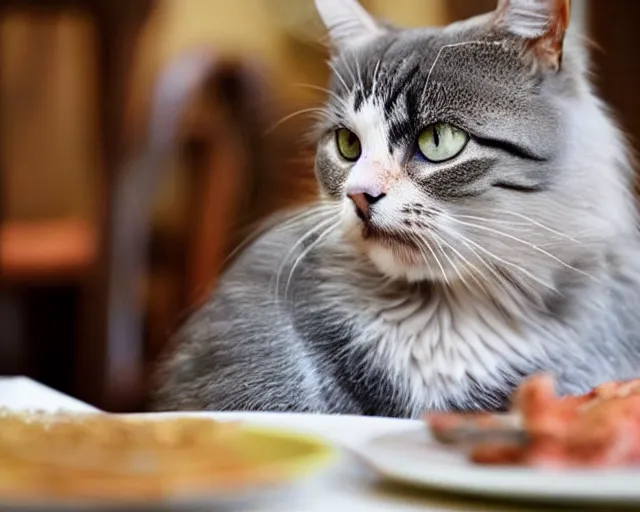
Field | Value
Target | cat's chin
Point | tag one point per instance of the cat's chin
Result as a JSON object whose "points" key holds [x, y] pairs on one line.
{"points": [[401, 265], [393, 254]]}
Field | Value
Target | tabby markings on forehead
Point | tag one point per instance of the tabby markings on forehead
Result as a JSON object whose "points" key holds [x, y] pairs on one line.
{"points": [[400, 117]]}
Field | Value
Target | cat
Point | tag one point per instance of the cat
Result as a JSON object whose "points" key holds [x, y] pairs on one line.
{"points": [[476, 225]]}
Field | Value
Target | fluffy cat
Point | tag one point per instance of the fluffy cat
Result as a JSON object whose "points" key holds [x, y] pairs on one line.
{"points": [[476, 225]]}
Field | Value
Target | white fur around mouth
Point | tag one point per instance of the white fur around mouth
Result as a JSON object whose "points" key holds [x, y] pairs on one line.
{"points": [[406, 263], [396, 257]]}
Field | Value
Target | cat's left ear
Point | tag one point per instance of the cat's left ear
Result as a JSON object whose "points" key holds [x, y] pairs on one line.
{"points": [[348, 23], [543, 23]]}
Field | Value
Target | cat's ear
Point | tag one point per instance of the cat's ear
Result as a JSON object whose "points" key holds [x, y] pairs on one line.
{"points": [[348, 23], [542, 23]]}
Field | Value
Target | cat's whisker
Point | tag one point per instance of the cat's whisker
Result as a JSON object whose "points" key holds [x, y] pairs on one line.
{"points": [[506, 285], [510, 264], [324, 90], [321, 238], [452, 263], [299, 242], [263, 228], [376, 70], [473, 251], [312, 110], [524, 242], [321, 212], [338, 75], [520, 228], [359, 74], [527, 220], [435, 257], [322, 207], [514, 279], [475, 248], [351, 74], [501, 222], [417, 241], [472, 268], [523, 283]]}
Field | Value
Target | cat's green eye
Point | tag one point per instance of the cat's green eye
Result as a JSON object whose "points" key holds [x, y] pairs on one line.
{"points": [[441, 141], [348, 144]]}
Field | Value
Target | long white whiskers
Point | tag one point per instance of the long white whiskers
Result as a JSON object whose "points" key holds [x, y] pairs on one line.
{"points": [[524, 242], [417, 240], [527, 221], [375, 78], [473, 251], [300, 241], [317, 110], [435, 256], [300, 217], [465, 262], [328, 92], [321, 237], [339, 76], [508, 263], [359, 71]]}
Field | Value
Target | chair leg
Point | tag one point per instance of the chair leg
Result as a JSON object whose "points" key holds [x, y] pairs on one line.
{"points": [[13, 338], [111, 358]]}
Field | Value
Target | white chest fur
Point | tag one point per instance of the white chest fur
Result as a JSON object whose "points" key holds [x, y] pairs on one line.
{"points": [[435, 342]]}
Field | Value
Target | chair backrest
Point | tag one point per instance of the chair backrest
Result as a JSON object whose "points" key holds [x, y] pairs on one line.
{"points": [[225, 153], [208, 116]]}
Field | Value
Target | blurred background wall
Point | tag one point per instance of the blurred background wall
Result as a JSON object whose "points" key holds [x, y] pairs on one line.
{"points": [[49, 100]]}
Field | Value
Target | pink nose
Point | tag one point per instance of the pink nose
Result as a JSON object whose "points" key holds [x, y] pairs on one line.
{"points": [[364, 200]]}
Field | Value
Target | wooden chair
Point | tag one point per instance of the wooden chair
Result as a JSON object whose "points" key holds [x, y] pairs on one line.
{"points": [[215, 122], [208, 115]]}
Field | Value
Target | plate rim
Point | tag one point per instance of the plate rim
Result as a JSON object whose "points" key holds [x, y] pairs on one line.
{"points": [[613, 486]]}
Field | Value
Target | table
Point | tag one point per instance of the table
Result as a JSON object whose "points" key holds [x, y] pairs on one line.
{"points": [[21, 393], [347, 487]]}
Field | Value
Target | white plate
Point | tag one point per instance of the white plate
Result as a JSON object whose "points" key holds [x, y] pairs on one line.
{"points": [[414, 458]]}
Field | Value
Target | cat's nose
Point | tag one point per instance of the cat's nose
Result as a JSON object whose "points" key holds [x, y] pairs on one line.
{"points": [[363, 201]]}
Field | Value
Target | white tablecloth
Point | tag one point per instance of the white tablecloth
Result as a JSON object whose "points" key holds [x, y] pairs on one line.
{"points": [[347, 487], [23, 393]]}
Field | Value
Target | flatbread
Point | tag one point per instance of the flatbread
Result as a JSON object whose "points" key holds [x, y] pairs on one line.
{"points": [[117, 459]]}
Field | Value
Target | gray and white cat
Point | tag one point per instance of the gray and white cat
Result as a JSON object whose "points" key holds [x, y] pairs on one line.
{"points": [[476, 225]]}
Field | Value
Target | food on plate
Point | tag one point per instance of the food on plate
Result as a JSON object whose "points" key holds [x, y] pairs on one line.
{"points": [[598, 429], [107, 457]]}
